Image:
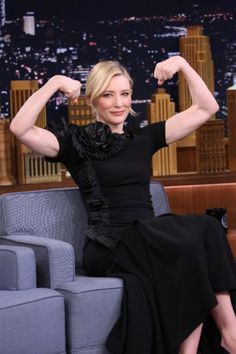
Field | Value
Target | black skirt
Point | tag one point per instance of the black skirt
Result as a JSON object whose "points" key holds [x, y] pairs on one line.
{"points": [[171, 266]]}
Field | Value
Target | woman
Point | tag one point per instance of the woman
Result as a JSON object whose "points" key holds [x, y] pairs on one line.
{"points": [[178, 270]]}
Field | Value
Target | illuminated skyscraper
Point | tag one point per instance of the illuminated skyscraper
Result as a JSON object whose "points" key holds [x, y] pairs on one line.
{"points": [[211, 156], [21, 90], [160, 109], [195, 48], [29, 23], [230, 56], [2, 13], [231, 103], [30, 167], [80, 112], [6, 163]]}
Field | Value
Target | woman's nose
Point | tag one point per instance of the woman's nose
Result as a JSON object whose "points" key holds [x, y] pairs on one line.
{"points": [[118, 101]]}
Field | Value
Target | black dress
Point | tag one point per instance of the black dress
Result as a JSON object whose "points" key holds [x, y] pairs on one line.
{"points": [[171, 265]]}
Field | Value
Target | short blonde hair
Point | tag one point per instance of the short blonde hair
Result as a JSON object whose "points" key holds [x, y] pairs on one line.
{"points": [[99, 78]]}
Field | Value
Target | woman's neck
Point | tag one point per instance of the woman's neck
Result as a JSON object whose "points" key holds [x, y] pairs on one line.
{"points": [[115, 128]]}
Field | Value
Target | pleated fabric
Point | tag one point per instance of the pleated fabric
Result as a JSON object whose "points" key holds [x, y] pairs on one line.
{"points": [[172, 266]]}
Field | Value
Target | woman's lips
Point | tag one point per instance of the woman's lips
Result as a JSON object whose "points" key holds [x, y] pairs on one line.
{"points": [[118, 113]]}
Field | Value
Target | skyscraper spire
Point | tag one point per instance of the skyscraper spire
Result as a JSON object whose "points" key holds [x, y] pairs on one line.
{"points": [[195, 15], [160, 108], [195, 48]]}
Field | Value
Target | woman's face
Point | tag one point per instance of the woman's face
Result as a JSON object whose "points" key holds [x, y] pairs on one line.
{"points": [[113, 106]]}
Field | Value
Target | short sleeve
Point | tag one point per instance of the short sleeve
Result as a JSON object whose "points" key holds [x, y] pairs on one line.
{"points": [[63, 132], [156, 134]]}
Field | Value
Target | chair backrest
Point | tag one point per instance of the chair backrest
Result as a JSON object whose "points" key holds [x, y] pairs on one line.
{"points": [[56, 213], [159, 198]]}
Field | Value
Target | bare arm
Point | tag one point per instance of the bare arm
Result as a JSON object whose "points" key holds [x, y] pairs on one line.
{"points": [[203, 105], [22, 126]]}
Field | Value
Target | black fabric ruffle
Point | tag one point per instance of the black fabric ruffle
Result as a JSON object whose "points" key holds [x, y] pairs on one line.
{"points": [[99, 143], [96, 141], [91, 142]]}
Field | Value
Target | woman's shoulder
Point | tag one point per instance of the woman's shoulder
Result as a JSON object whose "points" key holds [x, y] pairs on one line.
{"points": [[155, 134], [153, 126], [61, 126], [157, 128]]}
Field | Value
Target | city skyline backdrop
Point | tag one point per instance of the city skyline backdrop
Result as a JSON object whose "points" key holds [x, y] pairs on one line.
{"points": [[70, 37]]}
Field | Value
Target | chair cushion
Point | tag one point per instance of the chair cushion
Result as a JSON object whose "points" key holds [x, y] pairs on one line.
{"points": [[32, 321], [92, 308]]}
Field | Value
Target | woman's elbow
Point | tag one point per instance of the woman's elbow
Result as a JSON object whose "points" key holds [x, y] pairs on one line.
{"points": [[211, 109], [214, 108], [13, 128]]}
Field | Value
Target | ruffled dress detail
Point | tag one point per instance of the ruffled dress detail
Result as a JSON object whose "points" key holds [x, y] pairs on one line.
{"points": [[93, 142]]}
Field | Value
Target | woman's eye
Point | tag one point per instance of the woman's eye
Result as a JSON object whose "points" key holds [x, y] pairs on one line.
{"points": [[126, 94], [107, 95]]}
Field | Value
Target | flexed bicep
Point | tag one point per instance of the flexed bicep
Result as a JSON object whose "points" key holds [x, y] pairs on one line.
{"points": [[41, 141], [23, 124], [203, 105]]}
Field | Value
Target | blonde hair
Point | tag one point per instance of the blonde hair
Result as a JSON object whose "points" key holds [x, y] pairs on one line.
{"points": [[99, 78]]}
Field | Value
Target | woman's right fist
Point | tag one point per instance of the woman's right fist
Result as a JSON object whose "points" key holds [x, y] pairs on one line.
{"points": [[70, 87]]}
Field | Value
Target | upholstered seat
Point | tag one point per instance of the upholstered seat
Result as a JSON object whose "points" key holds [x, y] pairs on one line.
{"points": [[31, 319], [52, 223]]}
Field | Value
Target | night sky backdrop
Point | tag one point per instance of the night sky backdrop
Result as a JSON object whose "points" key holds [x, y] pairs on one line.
{"points": [[94, 9], [137, 33]]}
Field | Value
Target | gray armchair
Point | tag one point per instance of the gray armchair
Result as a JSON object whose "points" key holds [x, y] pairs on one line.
{"points": [[52, 224], [31, 319]]}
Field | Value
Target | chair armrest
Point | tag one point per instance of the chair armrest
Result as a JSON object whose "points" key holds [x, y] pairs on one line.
{"points": [[17, 268], [55, 260]]}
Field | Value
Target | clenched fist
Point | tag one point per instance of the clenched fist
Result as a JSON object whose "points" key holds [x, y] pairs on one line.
{"points": [[166, 69], [70, 87]]}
